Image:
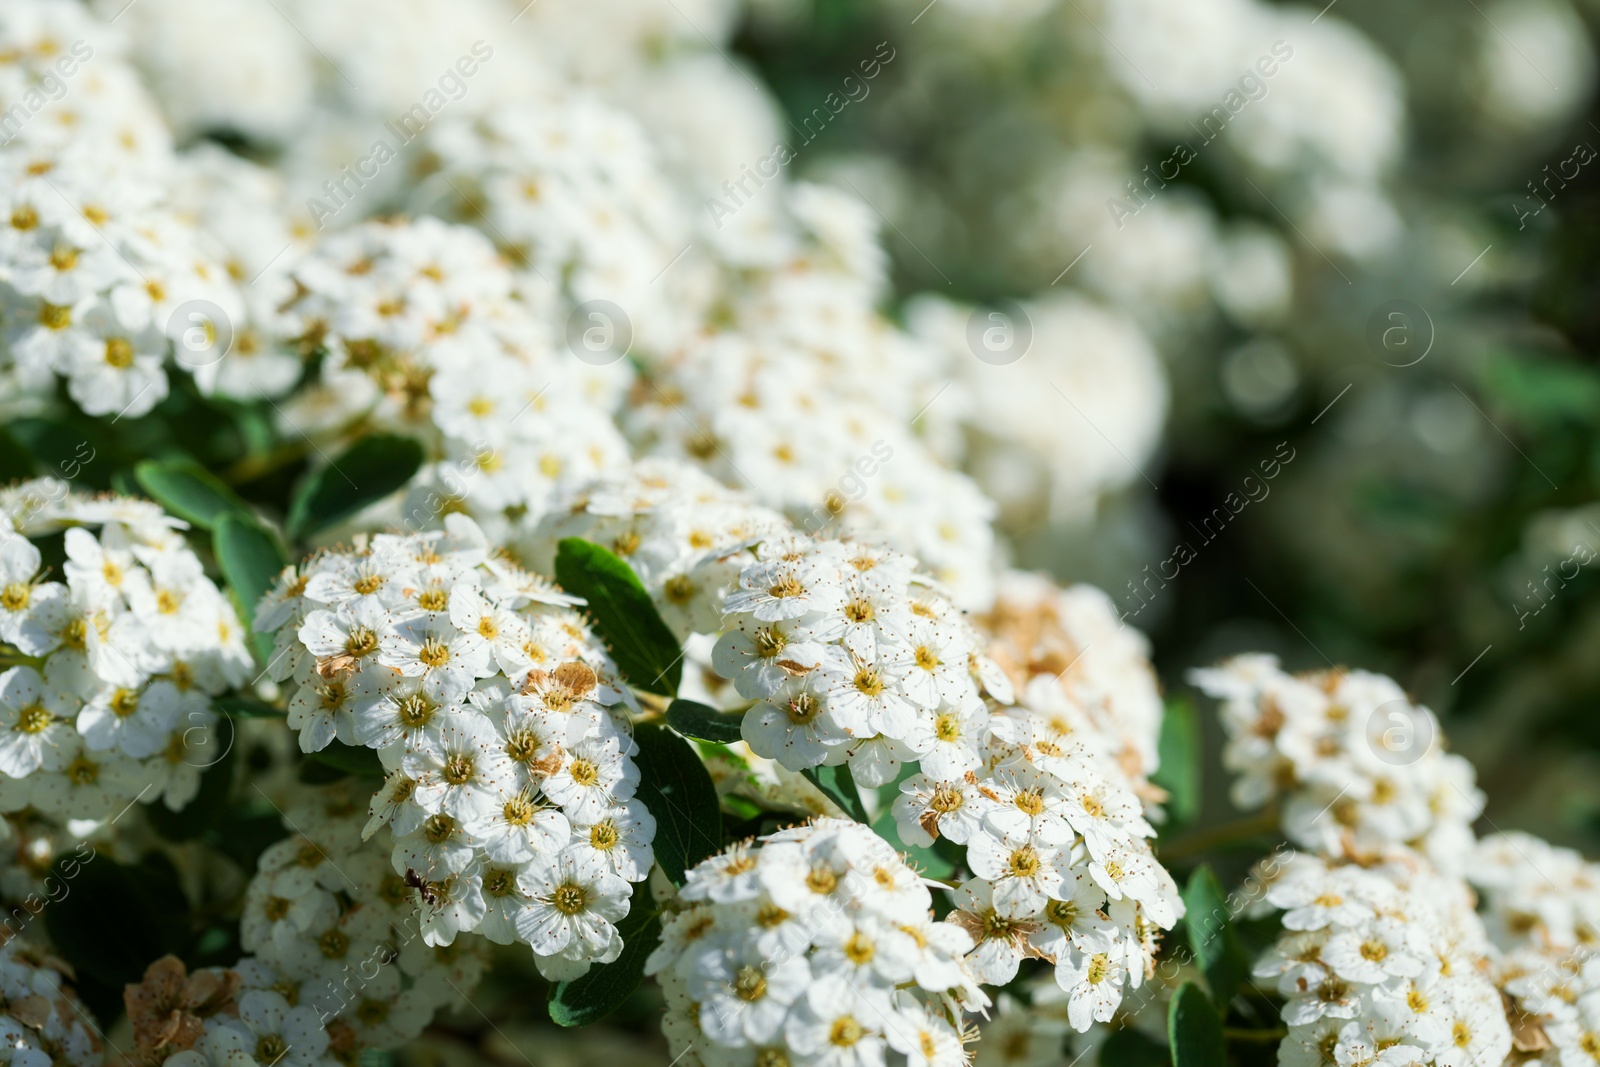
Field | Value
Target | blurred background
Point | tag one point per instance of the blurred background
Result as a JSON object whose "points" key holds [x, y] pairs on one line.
{"points": [[1378, 259]]}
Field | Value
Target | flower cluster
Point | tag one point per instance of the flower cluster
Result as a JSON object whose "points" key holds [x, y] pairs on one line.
{"points": [[1382, 963], [501, 722], [852, 656], [110, 701], [813, 945], [96, 267], [336, 965], [1068, 650], [806, 398], [1359, 767], [1542, 909], [1062, 867], [42, 1023], [682, 532], [426, 334], [571, 190]]}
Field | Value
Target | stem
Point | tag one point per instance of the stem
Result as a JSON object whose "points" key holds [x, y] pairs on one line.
{"points": [[1234, 1033], [1240, 829], [250, 468]]}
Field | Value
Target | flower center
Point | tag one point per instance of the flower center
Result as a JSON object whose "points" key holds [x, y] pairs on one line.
{"points": [[34, 719], [415, 710], [749, 985], [859, 611], [804, 708], [868, 682], [434, 653], [859, 950], [584, 772], [603, 836], [458, 769], [786, 586], [333, 944], [361, 642], [119, 353], [124, 702], [947, 728], [846, 1032], [769, 642], [570, 899], [1025, 862], [1098, 968], [16, 596], [83, 771]]}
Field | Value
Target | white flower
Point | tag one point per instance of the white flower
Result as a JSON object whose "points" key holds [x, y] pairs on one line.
{"points": [[575, 904], [593, 776], [1024, 873], [36, 722], [459, 767], [112, 370], [273, 1032], [745, 996], [835, 1025], [1093, 985], [794, 726]]}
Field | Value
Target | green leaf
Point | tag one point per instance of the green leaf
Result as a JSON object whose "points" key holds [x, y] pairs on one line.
{"points": [[674, 785], [1540, 392], [1216, 946], [1181, 760], [363, 474], [706, 724], [188, 490], [625, 618], [16, 462], [840, 788], [68, 450], [1195, 1029], [1133, 1048], [601, 991], [361, 762], [204, 811], [251, 560], [111, 921]]}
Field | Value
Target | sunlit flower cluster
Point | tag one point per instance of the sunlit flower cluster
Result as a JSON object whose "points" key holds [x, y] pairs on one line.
{"points": [[109, 700], [852, 656], [500, 721], [1382, 963], [1062, 866], [813, 945], [97, 268], [1067, 650], [336, 962], [1357, 766], [426, 333]]}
